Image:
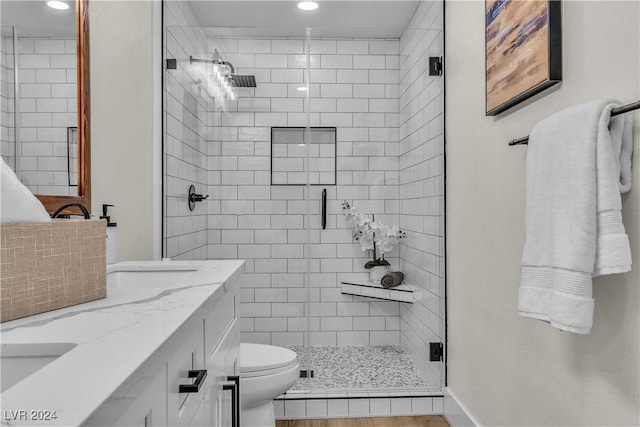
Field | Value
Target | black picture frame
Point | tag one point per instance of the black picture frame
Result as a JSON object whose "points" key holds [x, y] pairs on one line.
{"points": [[508, 83]]}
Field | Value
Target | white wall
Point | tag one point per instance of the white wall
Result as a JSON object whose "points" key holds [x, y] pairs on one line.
{"points": [[504, 369], [122, 97], [421, 190]]}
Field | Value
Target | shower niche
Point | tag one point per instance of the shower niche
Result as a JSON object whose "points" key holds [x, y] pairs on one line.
{"points": [[289, 154]]}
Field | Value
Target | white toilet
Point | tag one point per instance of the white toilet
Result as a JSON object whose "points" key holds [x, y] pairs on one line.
{"points": [[266, 371]]}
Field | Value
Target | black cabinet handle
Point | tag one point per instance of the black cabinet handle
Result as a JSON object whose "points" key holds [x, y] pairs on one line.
{"points": [[235, 399], [199, 375], [324, 208]]}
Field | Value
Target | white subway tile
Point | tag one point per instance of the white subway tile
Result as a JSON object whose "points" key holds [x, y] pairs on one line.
{"points": [[323, 46], [255, 310], [292, 309], [353, 46], [34, 61], [287, 46], [288, 75], [323, 76], [328, 90], [368, 90], [337, 408], [370, 62], [62, 61], [254, 46], [422, 405], [278, 408], [271, 61], [352, 76], [352, 105], [336, 61], [317, 408], [336, 323], [353, 338], [300, 61], [286, 105], [294, 409], [401, 406], [380, 407], [270, 324], [359, 407], [271, 119]]}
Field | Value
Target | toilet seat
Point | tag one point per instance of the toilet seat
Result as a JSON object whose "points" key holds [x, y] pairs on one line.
{"points": [[257, 360]]}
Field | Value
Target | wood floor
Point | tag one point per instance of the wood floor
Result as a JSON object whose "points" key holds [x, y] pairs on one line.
{"points": [[415, 421]]}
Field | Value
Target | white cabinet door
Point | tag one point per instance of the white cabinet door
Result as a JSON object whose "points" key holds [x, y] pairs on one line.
{"points": [[222, 342], [149, 409], [188, 357]]}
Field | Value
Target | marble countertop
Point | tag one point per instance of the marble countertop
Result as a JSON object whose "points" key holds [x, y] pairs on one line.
{"points": [[114, 337]]}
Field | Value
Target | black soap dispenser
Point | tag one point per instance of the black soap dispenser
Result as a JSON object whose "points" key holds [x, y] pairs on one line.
{"points": [[111, 234]]}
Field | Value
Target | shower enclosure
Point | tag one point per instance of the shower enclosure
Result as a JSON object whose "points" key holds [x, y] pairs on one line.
{"points": [[337, 114]]}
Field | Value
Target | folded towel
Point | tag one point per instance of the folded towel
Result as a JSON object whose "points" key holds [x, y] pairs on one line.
{"points": [[17, 203], [391, 279], [576, 169]]}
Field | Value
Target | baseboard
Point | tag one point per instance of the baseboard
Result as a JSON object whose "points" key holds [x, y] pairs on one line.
{"points": [[455, 413]]}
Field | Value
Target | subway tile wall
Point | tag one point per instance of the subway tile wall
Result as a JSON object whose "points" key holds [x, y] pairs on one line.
{"points": [[186, 113], [421, 187], [388, 115], [354, 87], [47, 105], [7, 99]]}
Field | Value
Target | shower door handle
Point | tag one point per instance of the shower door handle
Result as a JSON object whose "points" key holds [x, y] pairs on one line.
{"points": [[324, 208]]}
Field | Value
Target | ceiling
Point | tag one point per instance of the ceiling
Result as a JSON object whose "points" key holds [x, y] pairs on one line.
{"points": [[36, 19], [334, 18]]}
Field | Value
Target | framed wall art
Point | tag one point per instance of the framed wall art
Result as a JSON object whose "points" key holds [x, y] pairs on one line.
{"points": [[523, 50]]}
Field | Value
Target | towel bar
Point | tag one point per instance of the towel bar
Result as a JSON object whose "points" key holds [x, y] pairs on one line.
{"points": [[616, 111]]}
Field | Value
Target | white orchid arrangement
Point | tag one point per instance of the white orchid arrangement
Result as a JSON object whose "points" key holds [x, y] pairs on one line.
{"points": [[372, 235]]}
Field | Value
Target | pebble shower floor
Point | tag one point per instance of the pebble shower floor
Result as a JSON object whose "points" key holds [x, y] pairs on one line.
{"points": [[359, 368]]}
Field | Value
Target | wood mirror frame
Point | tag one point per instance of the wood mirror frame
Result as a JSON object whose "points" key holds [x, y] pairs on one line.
{"points": [[51, 203]]}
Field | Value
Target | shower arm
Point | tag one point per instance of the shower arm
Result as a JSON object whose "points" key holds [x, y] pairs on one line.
{"points": [[213, 61]]}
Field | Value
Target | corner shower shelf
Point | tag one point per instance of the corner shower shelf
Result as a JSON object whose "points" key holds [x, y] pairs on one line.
{"points": [[402, 293]]}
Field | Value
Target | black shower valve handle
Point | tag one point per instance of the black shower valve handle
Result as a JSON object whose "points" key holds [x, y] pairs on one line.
{"points": [[198, 197], [194, 197]]}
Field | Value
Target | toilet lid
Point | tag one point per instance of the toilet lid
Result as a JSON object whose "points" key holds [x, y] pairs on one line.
{"points": [[261, 357]]}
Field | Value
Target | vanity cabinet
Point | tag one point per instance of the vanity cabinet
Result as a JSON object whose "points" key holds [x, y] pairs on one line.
{"points": [[209, 340]]}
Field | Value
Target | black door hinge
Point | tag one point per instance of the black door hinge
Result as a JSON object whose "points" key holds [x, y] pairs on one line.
{"points": [[435, 65], [436, 351]]}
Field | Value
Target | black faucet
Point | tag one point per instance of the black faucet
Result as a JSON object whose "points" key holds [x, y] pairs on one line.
{"points": [[84, 210]]}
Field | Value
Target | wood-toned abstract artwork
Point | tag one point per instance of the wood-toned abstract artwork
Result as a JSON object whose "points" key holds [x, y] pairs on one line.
{"points": [[523, 50]]}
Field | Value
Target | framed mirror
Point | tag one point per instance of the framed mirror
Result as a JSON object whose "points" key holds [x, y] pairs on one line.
{"points": [[45, 82]]}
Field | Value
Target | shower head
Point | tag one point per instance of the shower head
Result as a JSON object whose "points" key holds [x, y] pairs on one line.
{"points": [[238, 80]]}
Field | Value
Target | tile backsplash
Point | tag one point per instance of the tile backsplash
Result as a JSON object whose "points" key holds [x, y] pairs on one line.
{"points": [[50, 265]]}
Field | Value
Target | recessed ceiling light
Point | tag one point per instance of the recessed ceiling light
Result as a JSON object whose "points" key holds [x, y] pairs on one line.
{"points": [[302, 88], [54, 4], [307, 5]]}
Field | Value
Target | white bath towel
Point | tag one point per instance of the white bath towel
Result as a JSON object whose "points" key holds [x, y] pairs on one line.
{"points": [[17, 203], [576, 170]]}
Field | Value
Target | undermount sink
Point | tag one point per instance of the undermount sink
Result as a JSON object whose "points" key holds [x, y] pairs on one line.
{"points": [[18, 361], [157, 275]]}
